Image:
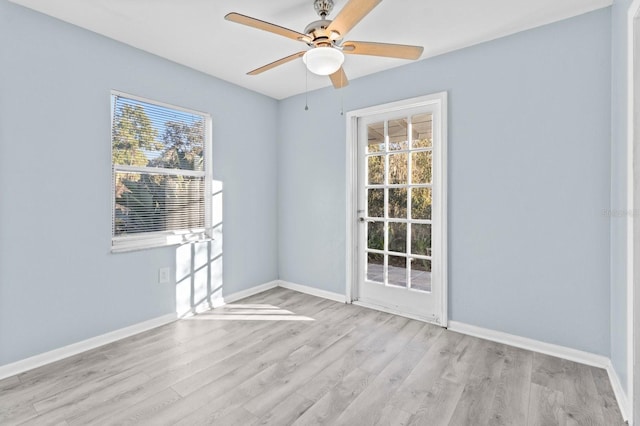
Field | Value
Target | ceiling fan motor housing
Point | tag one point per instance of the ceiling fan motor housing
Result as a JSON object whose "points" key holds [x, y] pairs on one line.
{"points": [[323, 7], [318, 30]]}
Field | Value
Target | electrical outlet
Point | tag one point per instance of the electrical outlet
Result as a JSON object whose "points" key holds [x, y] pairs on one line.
{"points": [[163, 275]]}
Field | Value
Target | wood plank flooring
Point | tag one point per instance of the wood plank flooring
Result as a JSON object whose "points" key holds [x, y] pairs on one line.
{"points": [[286, 358]]}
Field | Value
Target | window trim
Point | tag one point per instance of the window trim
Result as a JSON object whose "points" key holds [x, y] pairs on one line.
{"points": [[126, 243]]}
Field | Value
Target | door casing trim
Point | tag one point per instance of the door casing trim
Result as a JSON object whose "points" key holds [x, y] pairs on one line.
{"points": [[633, 297]]}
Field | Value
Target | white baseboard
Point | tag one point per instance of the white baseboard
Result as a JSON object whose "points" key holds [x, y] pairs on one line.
{"points": [[39, 360], [618, 391], [530, 344], [570, 354], [250, 292], [336, 297]]}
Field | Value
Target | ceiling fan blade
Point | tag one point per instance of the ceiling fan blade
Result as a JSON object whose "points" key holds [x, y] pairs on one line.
{"points": [[339, 79], [276, 63], [350, 15], [266, 26], [402, 51]]}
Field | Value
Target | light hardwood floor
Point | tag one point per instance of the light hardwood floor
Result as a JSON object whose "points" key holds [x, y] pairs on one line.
{"points": [[283, 357]]}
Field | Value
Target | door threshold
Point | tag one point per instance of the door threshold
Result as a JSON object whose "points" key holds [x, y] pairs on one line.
{"points": [[429, 319]]}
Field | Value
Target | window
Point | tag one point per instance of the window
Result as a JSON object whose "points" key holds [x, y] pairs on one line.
{"points": [[161, 184]]}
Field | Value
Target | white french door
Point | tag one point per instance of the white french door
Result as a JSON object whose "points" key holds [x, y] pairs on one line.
{"points": [[400, 221]]}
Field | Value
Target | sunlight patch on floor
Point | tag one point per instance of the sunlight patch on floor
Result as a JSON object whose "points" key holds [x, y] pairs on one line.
{"points": [[250, 312]]}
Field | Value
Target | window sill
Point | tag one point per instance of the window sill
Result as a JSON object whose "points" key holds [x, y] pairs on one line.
{"points": [[136, 243]]}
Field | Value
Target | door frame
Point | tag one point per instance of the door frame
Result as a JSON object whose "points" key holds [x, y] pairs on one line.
{"points": [[351, 163], [633, 195]]}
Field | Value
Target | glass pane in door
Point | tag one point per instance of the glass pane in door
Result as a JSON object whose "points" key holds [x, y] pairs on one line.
{"points": [[397, 130], [421, 239], [375, 137], [375, 235], [421, 274], [375, 203], [421, 130], [398, 237], [375, 267], [397, 204], [421, 166], [398, 168], [375, 170], [421, 203], [397, 271]]}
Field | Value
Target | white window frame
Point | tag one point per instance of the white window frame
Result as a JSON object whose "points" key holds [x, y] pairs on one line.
{"points": [[147, 240]]}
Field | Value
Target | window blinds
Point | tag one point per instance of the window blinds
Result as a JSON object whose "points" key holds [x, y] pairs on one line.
{"points": [[159, 169]]}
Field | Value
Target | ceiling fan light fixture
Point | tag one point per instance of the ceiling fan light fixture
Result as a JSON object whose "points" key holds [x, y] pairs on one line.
{"points": [[323, 60]]}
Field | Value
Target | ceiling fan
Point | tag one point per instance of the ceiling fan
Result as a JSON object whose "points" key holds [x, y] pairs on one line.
{"points": [[324, 37]]}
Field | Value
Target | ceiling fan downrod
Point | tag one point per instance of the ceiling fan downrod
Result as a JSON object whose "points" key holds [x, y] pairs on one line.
{"points": [[323, 7]]}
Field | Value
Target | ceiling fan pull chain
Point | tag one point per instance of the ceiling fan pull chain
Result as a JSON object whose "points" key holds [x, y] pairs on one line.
{"points": [[306, 89]]}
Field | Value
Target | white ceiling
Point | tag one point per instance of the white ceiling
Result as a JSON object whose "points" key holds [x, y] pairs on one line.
{"points": [[194, 32]]}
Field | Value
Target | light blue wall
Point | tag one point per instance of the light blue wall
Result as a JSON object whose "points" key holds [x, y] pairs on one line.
{"points": [[618, 187], [529, 144], [529, 176], [58, 282]]}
